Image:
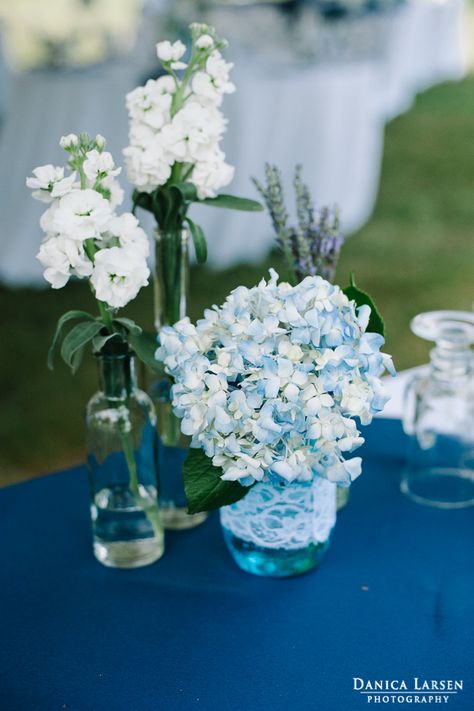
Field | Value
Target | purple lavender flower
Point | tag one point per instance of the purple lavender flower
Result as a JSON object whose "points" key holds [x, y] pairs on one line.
{"points": [[313, 246]]}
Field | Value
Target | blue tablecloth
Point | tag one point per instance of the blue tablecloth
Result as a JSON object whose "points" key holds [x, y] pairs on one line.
{"points": [[392, 600]]}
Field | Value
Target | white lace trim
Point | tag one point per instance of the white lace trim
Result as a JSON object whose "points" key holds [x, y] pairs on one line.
{"points": [[290, 516]]}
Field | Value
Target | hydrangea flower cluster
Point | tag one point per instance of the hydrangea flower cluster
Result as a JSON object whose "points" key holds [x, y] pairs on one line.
{"points": [[85, 237], [175, 121], [274, 380]]}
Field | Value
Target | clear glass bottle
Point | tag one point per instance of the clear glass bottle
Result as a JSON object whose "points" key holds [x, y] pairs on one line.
{"points": [[121, 443], [171, 286], [439, 414], [281, 529]]}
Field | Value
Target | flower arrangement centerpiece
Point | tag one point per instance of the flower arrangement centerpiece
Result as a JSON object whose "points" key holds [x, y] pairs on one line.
{"points": [[270, 387], [175, 160], [86, 238]]}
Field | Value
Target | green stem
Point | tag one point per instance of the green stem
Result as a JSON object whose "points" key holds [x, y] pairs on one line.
{"points": [[188, 173], [141, 501], [106, 315], [194, 62], [175, 173]]}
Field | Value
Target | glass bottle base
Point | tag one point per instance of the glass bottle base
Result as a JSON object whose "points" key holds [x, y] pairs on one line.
{"points": [[445, 488], [129, 554], [274, 562], [176, 518]]}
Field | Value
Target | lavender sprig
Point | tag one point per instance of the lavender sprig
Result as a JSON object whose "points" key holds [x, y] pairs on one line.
{"points": [[272, 195], [312, 247]]}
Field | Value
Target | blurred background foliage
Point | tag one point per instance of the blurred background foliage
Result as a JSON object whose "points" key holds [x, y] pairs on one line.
{"points": [[415, 254]]}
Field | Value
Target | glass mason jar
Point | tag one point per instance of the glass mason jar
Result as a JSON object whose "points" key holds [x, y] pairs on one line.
{"points": [[439, 414], [171, 286], [121, 443], [280, 529]]}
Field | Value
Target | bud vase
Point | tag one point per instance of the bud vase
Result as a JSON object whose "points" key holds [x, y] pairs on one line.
{"points": [[171, 285], [281, 529], [121, 443]]}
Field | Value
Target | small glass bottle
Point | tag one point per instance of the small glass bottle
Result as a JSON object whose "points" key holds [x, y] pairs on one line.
{"points": [[281, 529], [171, 285], [439, 414], [121, 443]]}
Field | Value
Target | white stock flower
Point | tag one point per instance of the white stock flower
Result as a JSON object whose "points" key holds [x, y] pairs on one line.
{"points": [[200, 128], [69, 141], [147, 168], [204, 42], [129, 233], [55, 261], [151, 103], [170, 52], [113, 186], [211, 175], [162, 134], [214, 82], [62, 257], [81, 214], [98, 166], [119, 274], [49, 182]]}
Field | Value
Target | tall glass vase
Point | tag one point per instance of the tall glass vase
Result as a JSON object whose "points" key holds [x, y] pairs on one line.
{"points": [[171, 286], [121, 443], [281, 529]]}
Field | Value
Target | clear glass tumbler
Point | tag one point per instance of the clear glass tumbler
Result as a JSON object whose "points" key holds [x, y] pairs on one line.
{"points": [[439, 414]]}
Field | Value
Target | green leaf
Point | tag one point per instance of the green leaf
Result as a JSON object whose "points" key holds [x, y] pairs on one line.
{"points": [[188, 191], [160, 205], [231, 202], [175, 204], [68, 316], [199, 241], [143, 200], [76, 339], [144, 345], [98, 342], [204, 487], [128, 324], [376, 323], [77, 359]]}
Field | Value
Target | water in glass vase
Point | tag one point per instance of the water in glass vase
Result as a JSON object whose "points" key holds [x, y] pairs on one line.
{"points": [[123, 533], [121, 442], [281, 529], [171, 285], [172, 450]]}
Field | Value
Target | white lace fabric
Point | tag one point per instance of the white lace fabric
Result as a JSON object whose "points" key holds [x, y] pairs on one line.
{"points": [[291, 516]]}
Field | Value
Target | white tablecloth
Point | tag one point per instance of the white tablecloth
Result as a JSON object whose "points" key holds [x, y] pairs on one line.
{"points": [[328, 116]]}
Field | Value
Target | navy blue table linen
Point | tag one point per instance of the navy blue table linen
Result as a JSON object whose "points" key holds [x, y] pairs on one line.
{"points": [[392, 600]]}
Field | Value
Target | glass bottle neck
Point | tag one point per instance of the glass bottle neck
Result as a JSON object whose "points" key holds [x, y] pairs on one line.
{"points": [[451, 361], [117, 376], [171, 276]]}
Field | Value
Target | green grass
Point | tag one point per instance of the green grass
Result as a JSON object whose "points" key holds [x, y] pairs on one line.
{"points": [[416, 254]]}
